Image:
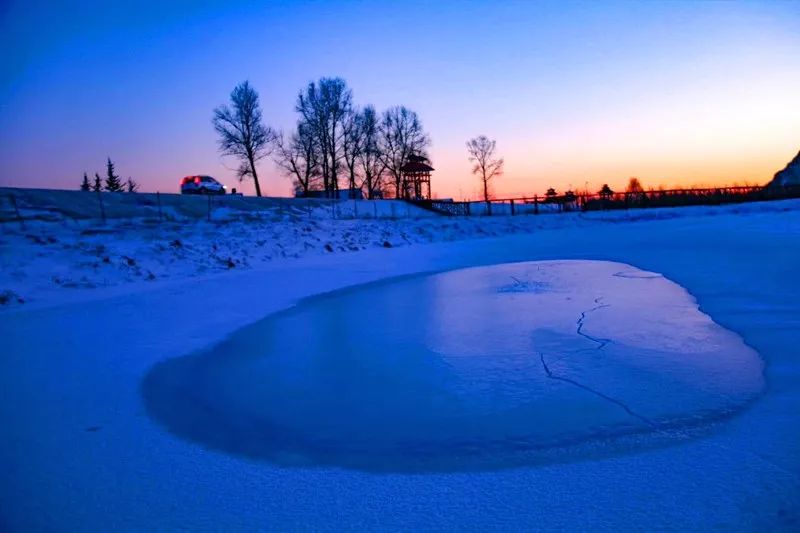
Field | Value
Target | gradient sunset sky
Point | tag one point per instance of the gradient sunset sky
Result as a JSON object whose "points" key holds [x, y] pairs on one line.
{"points": [[675, 93]]}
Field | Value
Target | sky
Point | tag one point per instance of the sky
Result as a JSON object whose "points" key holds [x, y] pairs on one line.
{"points": [[576, 94]]}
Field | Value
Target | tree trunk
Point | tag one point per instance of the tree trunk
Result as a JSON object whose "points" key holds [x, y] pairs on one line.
{"points": [[255, 176], [325, 178]]}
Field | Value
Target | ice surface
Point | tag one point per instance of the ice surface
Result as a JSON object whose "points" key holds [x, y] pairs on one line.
{"points": [[478, 368]]}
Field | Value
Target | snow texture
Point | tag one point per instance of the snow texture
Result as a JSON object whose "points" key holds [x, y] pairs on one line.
{"points": [[81, 452], [62, 257]]}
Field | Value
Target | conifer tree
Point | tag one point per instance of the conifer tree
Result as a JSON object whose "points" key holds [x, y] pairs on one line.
{"points": [[85, 186], [98, 185], [113, 184], [131, 185]]}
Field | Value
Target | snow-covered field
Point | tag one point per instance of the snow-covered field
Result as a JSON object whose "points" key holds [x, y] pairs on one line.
{"points": [[81, 451], [62, 257]]}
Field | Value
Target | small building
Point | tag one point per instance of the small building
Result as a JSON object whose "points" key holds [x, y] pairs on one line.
{"points": [[416, 178]]}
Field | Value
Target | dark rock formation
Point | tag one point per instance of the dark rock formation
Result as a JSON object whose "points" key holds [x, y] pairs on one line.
{"points": [[789, 175]]}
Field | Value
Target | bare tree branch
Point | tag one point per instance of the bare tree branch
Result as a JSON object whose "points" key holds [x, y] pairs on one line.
{"points": [[400, 135], [298, 156], [370, 163], [242, 133], [481, 152], [324, 106]]}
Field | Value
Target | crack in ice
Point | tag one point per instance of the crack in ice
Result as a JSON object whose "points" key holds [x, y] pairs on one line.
{"points": [[596, 392], [601, 343], [670, 432]]}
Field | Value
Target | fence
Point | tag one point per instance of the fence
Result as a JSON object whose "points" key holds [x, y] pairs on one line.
{"points": [[687, 197], [570, 202], [21, 205]]}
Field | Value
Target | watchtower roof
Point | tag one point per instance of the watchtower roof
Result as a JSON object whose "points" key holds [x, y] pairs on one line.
{"points": [[416, 166]]}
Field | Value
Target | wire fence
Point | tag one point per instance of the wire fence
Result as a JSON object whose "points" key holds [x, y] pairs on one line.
{"points": [[27, 205]]}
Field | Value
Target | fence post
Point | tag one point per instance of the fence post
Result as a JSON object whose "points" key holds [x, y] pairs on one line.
{"points": [[16, 210], [512, 208], [102, 208]]}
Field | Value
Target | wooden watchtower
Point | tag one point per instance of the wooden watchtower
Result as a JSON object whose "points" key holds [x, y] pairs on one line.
{"points": [[416, 173]]}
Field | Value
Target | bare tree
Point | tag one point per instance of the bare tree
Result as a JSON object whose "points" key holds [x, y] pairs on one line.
{"points": [[401, 135], [370, 164], [242, 133], [482, 153], [324, 106], [634, 186], [352, 145], [299, 158], [635, 191]]}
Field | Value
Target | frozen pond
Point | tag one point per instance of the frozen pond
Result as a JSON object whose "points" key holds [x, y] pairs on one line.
{"points": [[479, 368]]}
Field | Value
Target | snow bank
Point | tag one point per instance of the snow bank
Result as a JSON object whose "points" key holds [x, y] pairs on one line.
{"points": [[63, 205], [56, 257]]}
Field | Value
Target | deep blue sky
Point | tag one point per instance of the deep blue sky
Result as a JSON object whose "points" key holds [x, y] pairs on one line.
{"points": [[676, 92]]}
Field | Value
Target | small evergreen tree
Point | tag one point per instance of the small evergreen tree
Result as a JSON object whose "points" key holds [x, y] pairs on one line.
{"points": [[85, 186], [113, 184], [131, 185], [98, 184]]}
